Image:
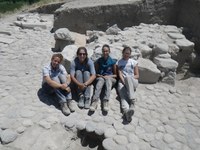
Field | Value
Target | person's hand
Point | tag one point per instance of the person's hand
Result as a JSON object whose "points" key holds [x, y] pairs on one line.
{"points": [[63, 86], [106, 77], [68, 89], [82, 86]]}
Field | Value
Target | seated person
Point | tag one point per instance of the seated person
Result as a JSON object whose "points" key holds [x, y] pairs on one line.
{"points": [[83, 73], [55, 80], [128, 74], [106, 77]]}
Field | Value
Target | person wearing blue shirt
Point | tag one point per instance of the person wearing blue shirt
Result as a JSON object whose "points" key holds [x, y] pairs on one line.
{"points": [[106, 77], [55, 80], [83, 73]]}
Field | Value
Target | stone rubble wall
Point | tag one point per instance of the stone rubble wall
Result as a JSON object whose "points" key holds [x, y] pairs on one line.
{"points": [[99, 17]]}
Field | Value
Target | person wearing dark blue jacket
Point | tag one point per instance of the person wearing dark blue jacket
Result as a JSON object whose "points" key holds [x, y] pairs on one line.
{"points": [[106, 77]]}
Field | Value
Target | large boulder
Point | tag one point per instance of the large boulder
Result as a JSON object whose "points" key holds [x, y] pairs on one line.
{"points": [[63, 37], [148, 71]]}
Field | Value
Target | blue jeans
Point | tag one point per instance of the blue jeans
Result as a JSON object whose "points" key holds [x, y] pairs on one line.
{"points": [[63, 96], [100, 83], [83, 77]]}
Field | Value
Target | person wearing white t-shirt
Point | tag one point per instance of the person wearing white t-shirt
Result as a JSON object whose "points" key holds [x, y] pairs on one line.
{"points": [[128, 81]]}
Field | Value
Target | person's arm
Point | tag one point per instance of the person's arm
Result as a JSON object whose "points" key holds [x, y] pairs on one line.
{"points": [[54, 84], [80, 85], [93, 73], [120, 75], [90, 80], [136, 72]]}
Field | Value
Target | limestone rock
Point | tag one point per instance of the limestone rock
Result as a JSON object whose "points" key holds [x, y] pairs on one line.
{"points": [[120, 139], [113, 30], [80, 125], [45, 124], [109, 144], [8, 136], [160, 48], [64, 34], [165, 64], [90, 127], [185, 44], [110, 132], [148, 71]]}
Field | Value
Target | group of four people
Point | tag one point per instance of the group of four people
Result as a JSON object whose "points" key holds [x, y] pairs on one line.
{"points": [[104, 73]]}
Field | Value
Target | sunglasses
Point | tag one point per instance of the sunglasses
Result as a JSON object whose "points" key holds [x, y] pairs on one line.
{"points": [[82, 54]]}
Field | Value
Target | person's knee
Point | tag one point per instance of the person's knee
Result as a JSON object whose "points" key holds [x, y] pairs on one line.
{"points": [[86, 73], [78, 72]]}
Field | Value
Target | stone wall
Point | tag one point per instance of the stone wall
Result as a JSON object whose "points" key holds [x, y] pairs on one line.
{"points": [[124, 15]]}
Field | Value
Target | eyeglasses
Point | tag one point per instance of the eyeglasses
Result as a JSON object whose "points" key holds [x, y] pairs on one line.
{"points": [[82, 54]]}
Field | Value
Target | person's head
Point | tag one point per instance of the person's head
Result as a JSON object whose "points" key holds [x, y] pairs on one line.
{"points": [[56, 59], [82, 54], [105, 50], [126, 53]]}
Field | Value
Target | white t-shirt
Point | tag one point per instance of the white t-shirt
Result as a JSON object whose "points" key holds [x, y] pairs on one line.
{"points": [[127, 66]]}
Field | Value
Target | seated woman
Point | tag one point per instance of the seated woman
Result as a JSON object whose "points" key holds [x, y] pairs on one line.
{"points": [[83, 73], [106, 77], [128, 75], [55, 80]]}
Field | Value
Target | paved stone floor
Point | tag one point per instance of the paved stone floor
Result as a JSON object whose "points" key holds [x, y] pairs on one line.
{"points": [[166, 117]]}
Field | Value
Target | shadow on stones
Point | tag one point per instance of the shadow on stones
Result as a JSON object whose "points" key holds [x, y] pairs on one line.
{"points": [[90, 140], [49, 99], [90, 113]]}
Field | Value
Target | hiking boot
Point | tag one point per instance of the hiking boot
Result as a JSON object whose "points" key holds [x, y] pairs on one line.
{"points": [[87, 103], [94, 105], [105, 105], [81, 101], [71, 106], [128, 114], [65, 109]]}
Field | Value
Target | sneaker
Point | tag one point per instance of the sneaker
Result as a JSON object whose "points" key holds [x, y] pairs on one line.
{"points": [[87, 103], [128, 114], [105, 105], [94, 105], [65, 109], [71, 106], [81, 101]]}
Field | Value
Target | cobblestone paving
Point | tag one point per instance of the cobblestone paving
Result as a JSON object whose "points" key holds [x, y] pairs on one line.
{"points": [[166, 117]]}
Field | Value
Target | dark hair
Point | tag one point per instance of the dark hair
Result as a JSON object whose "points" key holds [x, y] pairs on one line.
{"points": [[81, 48], [85, 50], [126, 48], [57, 55], [106, 45]]}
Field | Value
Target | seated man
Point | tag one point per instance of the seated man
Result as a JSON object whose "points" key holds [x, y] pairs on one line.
{"points": [[55, 80]]}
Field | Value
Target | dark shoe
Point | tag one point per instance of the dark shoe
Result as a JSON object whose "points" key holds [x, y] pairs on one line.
{"points": [[65, 109], [128, 114], [105, 105], [81, 101], [87, 103], [71, 106], [94, 105]]}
